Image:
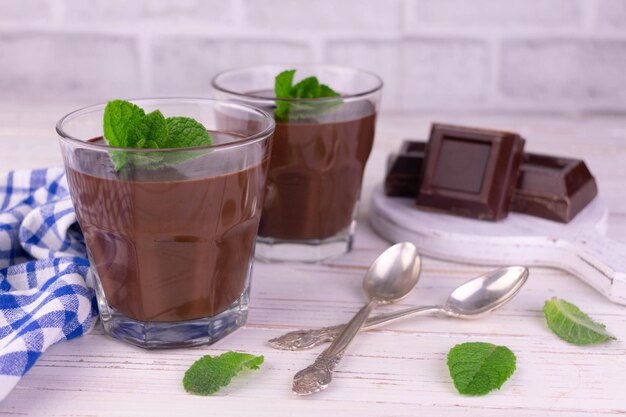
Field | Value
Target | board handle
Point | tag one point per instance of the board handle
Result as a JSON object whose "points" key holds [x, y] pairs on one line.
{"points": [[599, 261]]}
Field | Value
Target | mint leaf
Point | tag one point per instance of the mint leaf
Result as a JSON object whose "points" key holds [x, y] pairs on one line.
{"points": [[153, 131], [120, 123], [477, 367], [209, 374], [326, 91], [282, 89], [308, 88], [127, 126], [185, 132], [283, 84], [150, 131], [572, 325]]}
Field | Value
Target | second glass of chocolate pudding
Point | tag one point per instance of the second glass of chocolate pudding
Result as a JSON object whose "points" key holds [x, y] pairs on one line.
{"points": [[318, 157], [170, 234]]}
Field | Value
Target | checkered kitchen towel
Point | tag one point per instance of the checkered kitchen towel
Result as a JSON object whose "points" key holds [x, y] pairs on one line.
{"points": [[44, 297]]}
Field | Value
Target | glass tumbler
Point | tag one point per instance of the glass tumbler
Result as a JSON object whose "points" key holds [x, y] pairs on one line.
{"points": [[319, 152], [170, 234]]}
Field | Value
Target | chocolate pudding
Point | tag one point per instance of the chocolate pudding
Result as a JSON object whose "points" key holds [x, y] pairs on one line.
{"points": [[316, 171], [167, 245]]}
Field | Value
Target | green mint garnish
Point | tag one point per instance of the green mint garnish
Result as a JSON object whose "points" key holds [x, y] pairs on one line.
{"points": [[127, 126], [153, 130], [309, 87], [209, 374], [572, 325], [121, 119], [184, 132], [477, 368]]}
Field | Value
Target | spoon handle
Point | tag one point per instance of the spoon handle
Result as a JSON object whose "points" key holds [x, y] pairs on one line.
{"points": [[317, 376], [306, 339], [379, 320]]}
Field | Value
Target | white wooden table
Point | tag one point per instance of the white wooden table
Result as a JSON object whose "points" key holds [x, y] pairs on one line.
{"points": [[398, 370]]}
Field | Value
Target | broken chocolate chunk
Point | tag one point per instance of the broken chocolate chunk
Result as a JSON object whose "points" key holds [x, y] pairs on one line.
{"points": [[553, 187], [404, 170]]}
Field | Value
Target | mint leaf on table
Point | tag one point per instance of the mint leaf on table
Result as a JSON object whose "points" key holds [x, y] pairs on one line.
{"points": [[127, 126], [477, 367], [308, 88], [572, 325], [209, 374]]}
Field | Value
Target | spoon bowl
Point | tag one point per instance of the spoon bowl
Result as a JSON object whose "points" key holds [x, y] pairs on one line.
{"points": [[483, 294], [393, 274]]}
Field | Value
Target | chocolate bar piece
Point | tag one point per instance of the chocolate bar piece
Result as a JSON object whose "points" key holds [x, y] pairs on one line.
{"points": [[404, 171], [552, 187], [470, 172]]}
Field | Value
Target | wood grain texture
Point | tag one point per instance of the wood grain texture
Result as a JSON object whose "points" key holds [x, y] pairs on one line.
{"points": [[397, 370]]}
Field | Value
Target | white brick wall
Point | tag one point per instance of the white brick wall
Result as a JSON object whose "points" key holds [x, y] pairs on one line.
{"points": [[557, 56], [185, 65], [612, 14], [50, 66], [558, 69], [165, 11], [323, 16], [502, 14], [443, 72], [24, 10]]}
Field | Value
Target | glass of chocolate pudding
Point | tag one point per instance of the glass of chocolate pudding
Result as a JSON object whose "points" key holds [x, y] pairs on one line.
{"points": [[171, 234], [319, 154]]}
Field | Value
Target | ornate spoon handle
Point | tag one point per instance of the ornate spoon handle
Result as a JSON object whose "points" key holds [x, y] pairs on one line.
{"points": [[317, 376], [306, 339]]}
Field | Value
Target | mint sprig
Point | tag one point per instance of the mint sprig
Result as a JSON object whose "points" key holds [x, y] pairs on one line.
{"points": [[126, 125], [572, 325], [209, 374], [121, 119], [308, 88], [477, 368]]}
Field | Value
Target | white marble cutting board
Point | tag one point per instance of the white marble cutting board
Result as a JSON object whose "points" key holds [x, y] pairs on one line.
{"points": [[578, 247]]}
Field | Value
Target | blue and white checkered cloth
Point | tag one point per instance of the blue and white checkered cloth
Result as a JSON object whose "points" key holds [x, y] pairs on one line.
{"points": [[44, 296]]}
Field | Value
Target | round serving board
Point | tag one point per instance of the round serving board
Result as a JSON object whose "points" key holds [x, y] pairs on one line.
{"points": [[578, 247]]}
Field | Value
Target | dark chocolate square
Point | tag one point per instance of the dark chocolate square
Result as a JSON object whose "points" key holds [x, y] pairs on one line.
{"points": [[470, 172], [404, 170], [553, 187], [456, 159]]}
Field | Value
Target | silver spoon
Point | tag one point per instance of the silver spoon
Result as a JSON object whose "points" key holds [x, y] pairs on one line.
{"points": [[391, 277], [472, 299]]}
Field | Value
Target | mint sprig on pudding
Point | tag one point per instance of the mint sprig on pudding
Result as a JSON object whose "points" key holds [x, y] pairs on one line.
{"points": [[126, 125], [307, 88]]}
